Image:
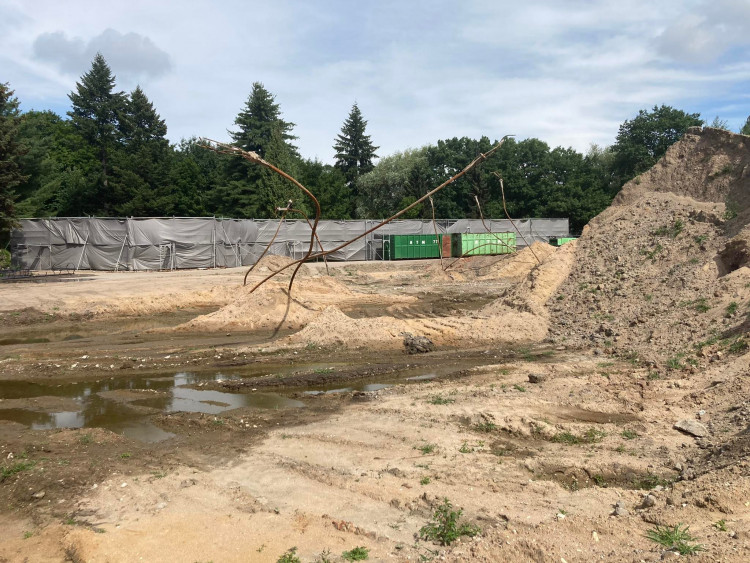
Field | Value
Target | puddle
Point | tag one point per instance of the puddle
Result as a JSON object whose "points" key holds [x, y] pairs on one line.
{"points": [[102, 407], [425, 377], [361, 387]]}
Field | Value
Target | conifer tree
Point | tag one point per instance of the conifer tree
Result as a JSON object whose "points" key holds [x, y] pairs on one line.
{"points": [[354, 149], [96, 113], [143, 165], [10, 150], [253, 190]]}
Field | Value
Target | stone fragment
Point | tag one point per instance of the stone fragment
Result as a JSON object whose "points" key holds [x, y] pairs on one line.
{"points": [[692, 427], [417, 344], [537, 377]]}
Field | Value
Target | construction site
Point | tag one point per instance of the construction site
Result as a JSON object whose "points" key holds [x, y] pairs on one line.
{"points": [[560, 403]]}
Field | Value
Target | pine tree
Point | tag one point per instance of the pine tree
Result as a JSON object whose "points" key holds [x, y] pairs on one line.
{"points": [[257, 122], [142, 186], [354, 149], [253, 190], [10, 150], [745, 130], [96, 113]]}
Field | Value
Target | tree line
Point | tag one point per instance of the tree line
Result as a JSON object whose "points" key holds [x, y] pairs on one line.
{"points": [[110, 157]]}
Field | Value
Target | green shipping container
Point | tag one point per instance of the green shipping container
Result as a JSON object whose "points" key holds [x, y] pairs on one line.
{"points": [[411, 247], [482, 244], [559, 241]]}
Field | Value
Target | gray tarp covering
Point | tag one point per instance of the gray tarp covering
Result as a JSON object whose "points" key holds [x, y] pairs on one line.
{"points": [[207, 242]]}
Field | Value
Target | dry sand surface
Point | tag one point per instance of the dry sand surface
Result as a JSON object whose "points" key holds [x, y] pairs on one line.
{"points": [[577, 399]]}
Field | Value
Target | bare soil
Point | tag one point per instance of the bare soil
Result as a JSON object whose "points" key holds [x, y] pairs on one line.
{"points": [[552, 395]]}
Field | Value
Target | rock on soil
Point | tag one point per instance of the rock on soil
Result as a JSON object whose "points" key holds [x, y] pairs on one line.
{"points": [[692, 427], [417, 344]]}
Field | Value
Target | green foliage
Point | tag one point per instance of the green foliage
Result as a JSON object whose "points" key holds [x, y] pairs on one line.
{"points": [[718, 123], [677, 538], [426, 448], [721, 525], [672, 230], [354, 149], [643, 140], [289, 556], [731, 309], [359, 553], [254, 190], [444, 527], [440, 400], [485, 427], [17, 467], [10, 153], [629, 434], [424, 481], [745, 129], [590, 436], [650, 481]]}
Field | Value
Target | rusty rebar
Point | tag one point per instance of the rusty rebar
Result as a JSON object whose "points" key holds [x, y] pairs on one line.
{"points": [[481, 158]]}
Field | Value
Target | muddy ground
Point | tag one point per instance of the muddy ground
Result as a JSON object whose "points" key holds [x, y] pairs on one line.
{"points": [[537, 466], [577, 400]]}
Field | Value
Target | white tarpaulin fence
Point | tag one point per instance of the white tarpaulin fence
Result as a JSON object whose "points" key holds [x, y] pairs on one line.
{"points": [[91, 243]]}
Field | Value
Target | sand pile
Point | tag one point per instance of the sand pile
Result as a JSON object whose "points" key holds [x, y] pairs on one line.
{"points": [[659, 273], [540, 280], [270, 306]]}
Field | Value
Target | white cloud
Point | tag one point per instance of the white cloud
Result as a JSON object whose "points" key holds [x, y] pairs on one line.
{"points": [[130, 54], [566, 72]]}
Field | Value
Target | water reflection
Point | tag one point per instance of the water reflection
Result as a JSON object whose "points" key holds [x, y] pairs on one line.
{"points": [[125, 414]]}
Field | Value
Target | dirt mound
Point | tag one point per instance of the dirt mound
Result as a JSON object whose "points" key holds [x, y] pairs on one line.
{"points": [[270, 306], [657, 274], [540, 282]]}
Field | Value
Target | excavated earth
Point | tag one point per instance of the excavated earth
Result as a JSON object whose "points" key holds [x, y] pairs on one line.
{"points": [[577, 398]]}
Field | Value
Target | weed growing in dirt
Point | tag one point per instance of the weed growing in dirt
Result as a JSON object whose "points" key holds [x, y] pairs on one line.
{"points": [[27, 535], [289, 556], [8, 470], [444, 526], [324, 557], [321, 371], [599, 480], [520, 388], [650, 481], [731, 309], [629, 434], [721, 525], [85, 439], [440, 400], [426, 448], [653, 375], [566, 438], [700, 239], [674, 363], [465, 448], [672, 230], [739, 345], [677, 538], [424, 481], [591, 436], [651, 254], [356, 554], [485, 427]]}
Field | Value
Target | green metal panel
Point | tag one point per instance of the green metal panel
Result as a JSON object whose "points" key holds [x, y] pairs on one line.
{"points": [[482, 244], [411, 247], [559, 241]]}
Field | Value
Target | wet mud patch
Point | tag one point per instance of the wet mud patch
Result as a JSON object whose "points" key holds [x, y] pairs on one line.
{"points": [[573, 414], [616, 475]]}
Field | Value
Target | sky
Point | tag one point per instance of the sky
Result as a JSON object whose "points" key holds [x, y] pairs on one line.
{"points": [[568, 72]]}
